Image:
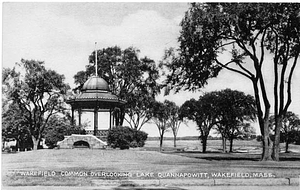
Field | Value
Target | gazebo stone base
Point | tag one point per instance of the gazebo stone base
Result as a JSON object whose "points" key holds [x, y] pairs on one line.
{"points": [[84, 141]]}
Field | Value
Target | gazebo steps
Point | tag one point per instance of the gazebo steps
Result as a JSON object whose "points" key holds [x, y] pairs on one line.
{"points": [[75, 140]]}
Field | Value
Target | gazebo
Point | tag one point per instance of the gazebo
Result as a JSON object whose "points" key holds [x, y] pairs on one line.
{"points": [[96, 97]]}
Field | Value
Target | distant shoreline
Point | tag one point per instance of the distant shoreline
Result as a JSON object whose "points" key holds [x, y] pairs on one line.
{"points": [[187, 138], [172, 138]]}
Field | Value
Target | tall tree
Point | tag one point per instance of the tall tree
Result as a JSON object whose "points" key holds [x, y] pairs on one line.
{"points": [[250, 32], [128, 76], [39, 94], [204, 113]]}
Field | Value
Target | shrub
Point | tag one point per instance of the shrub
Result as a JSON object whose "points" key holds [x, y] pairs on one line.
{"points": [[52, 137], [125, 137], [259, 138], [120, 137], [134, 144], [140, 137], [13, 148], [6, 149]]}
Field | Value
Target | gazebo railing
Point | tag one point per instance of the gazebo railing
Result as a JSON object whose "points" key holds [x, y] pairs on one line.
{"points": [[100, 133], [79, 132]]}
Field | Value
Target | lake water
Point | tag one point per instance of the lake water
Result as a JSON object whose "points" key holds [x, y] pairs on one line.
{"points": [[212, 145]]}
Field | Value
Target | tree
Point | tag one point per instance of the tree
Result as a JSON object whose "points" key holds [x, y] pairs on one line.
{"points": [[39, 94], [250, 32], [204, 113], [58, 127], [15, 127], [138, 109], [233, 108], [175, 119], [129, 77], [246, 131], [55, 130], [161, 116], [291, 125]]}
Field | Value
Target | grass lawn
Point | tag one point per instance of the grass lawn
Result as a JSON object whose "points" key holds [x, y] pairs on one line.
{"points": [[135, 164]]}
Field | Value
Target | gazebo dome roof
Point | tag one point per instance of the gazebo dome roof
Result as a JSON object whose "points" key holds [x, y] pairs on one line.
{"points": [[95, 83], [95, 93]]}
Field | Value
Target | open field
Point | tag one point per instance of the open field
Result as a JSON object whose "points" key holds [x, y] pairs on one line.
{"points": [[79, 167]]}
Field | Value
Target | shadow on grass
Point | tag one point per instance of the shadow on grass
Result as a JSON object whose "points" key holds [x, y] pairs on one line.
{"points": [[135, 187], [289, 157], [147, 188]]}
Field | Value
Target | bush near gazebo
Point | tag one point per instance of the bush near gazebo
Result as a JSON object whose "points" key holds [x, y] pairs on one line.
{"points": [[125, 137]]}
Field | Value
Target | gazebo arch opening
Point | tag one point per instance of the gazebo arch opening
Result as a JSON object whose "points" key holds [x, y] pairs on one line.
{"points": [[81, 144]]}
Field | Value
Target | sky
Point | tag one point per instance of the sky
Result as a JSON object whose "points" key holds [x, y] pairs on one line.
{"points": [[63, 35]]}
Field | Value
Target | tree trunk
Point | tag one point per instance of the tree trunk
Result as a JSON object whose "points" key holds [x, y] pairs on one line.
{"points": [[18, 144], [161, 142], [224, 144], [267, 143], [263, 122], [276, 145], [204, 144], [231, 145], [121, 117], [36, 142], [267, 149], [175, 141], [287, 146]]}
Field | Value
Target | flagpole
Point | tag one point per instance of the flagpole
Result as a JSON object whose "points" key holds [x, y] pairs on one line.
{"points": [[96, 59]]}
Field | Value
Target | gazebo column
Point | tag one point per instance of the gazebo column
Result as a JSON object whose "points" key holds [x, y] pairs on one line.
{"points": [[117, 115], [110, 120], [95, 121], [113, 118], [79, 117], [72, 119]]}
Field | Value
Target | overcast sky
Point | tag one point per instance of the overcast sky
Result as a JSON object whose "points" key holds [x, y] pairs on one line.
{"points": [[63, 35]]}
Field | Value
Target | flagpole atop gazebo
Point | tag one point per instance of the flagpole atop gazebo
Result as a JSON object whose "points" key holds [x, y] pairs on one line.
{"points": [[96, 65]]}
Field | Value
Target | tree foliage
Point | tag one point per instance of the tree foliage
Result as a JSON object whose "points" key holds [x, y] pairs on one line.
{"points": [[129, 77], [249, 32], [39, 94]]}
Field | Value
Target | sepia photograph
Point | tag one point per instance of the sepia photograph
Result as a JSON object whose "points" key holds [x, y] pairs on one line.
{"points": [[150, 96]]}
